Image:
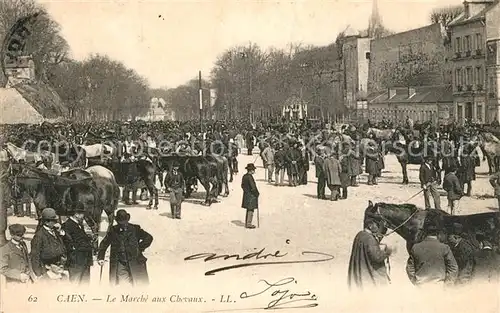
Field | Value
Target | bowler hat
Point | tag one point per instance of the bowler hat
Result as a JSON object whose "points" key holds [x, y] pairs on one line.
{"points": [[250, 166], [49, 214], [122, 216], [17, 230]]}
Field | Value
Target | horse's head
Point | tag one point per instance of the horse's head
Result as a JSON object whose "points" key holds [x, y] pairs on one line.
{"points": [[393, 216]]}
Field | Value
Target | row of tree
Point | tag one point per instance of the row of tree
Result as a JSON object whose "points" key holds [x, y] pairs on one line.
{"points": [[254, 83], [250, 82], [97, 88]]}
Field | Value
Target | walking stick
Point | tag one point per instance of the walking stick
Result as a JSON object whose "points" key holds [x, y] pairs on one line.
{"points": [[258, 218], [100, 275]]}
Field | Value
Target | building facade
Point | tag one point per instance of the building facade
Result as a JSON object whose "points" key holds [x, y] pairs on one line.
{"points": [[355, 57], [469, 54], [493, 61], [412, 58], [422, 103]]}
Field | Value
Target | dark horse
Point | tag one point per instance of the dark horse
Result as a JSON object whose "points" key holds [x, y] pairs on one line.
{"points": [[195, 168], [413, 152], [131, 173], [60, 193], [107, 189], [408, 221]]}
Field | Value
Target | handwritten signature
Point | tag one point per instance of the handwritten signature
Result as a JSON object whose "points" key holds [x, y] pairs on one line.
{"points": [[282, 298], [259, 255]]}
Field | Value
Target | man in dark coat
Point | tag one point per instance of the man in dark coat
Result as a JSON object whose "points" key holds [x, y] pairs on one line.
{"points": [[292, 160], [468, 169], [79, 247], [15, 264], [428, 180], [47, 245], [279, 163], [372, 163], [367, 263], [319, 162], [454, 190], [464, 253], [250, 195], [175, 183], [431, 262], [249, 142], [304, 166], [332, 170], [127, 263]]}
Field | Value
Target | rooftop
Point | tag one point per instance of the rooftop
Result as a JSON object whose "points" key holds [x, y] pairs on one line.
{"points": [[423, 94]]}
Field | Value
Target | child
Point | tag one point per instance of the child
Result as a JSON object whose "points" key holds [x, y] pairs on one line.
{"points": [[454, 189]]}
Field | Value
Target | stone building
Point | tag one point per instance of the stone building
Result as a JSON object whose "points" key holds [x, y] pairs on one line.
{"points": [[468, 43], [492, 22], [420, 103], [355, 56]]}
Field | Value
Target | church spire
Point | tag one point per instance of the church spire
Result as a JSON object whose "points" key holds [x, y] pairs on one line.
{"points": [[375, 27]]}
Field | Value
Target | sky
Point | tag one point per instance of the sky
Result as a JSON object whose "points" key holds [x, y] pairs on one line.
{"points": [[168, 41]]}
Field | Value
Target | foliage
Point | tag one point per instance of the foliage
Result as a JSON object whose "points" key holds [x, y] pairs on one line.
{"points": [[46, 45], [445, 15], [100, 89]]}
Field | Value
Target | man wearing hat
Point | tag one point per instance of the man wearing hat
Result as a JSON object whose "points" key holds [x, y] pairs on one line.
{"points": [[127, 263], [47, 245], [319, 162], [174, 181], [279, 162], [79, 247], [428, 180], [15, 264], [431, 262], [250, 195], [454, 190], [367, 267], [464, 253]]}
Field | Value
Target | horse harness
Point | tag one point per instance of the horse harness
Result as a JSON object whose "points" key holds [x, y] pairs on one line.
{"points": [[386, 222]]}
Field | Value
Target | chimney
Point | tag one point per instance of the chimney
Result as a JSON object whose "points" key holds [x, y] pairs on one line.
{"points": [[392, 92], [411, 92], [466, 10]]}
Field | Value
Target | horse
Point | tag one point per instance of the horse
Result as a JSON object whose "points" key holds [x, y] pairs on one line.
{"points": [[107, 188], [490, 146], [29, 157], [53, 191], [192, 168], [381, 134], [412, 152], [132, 173], [410, 222]]}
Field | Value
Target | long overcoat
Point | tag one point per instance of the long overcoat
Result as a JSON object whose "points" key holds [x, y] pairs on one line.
{"points": [[372, 161], [332, 171], [135, 240], [366, 265], [250, 192], [346, 172]]}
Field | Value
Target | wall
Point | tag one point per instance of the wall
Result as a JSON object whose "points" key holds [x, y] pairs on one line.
{"points": [[363, 65], [416, 57], [493, 61]]}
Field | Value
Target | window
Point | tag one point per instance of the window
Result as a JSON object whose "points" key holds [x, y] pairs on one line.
{"points": [[469, 79], [458, 78], [467, 43], [479, 112], [479, 76], [457, 45], [479, 41]]}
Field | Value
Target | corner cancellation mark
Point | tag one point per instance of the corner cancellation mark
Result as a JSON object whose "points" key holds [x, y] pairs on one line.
{"points": [[259, 255]]}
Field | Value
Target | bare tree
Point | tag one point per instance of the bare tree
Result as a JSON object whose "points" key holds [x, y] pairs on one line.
{"points": [[446, 14]]}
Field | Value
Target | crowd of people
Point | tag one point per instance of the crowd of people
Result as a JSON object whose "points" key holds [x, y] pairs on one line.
{"points": [[65, 252]]}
